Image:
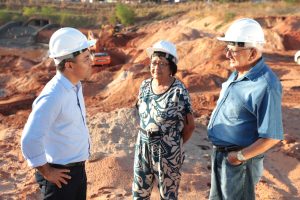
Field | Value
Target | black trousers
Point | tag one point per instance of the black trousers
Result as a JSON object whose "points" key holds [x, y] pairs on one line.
{"points": [[74, 190]]}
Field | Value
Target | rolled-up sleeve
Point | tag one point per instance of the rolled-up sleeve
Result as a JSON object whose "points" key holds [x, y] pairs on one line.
{"points": [[44, 113], [269, 116]]}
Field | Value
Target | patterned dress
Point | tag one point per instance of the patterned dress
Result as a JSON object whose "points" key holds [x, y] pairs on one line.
{"points": [[159, 157]]}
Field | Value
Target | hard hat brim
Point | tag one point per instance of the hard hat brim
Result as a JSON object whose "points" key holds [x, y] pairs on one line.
{"points": [[151, 50], [91, 43], [222, 39], [297, 55]]}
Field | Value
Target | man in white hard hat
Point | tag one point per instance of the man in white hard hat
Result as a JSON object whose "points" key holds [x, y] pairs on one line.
{"points": [[247, 120], [55, 140]]}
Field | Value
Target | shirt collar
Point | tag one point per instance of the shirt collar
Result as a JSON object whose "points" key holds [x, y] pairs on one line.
{"points": [[66, 82], [255, 71], [233, 76]]}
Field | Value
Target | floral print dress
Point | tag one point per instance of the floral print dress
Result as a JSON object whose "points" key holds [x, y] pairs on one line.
{"points": [[159, 156]]}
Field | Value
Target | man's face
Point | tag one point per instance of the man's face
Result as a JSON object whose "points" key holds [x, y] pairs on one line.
{"points": [[238, 56], [82, 66]]}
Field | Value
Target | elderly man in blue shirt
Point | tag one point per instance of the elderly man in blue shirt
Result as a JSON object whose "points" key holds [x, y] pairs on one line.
{"points": [[55, 140], [247, 120]]}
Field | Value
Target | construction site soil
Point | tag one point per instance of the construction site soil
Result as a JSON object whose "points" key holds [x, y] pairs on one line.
{"points": [[110, 96]]}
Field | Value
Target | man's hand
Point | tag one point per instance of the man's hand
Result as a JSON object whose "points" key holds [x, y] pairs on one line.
{"points": [[54, 175], [232, 158]]}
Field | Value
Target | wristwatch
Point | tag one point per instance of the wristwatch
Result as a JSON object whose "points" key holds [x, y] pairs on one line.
{"points": [[240, 156]]}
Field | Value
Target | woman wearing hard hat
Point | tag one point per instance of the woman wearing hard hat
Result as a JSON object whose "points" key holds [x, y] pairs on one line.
{"points": [[247, 120], [166, 122]]}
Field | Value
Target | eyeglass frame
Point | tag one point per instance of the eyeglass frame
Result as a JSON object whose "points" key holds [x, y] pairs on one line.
{"points": [[160, 64], [234, 53]]}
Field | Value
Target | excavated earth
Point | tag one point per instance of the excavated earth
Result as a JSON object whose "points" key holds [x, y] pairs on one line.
{"points": [[111, 92]]}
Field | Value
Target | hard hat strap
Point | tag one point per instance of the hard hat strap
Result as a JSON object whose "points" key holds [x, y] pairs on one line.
{"points": [[76, 53], [72, 55], [69, 56], [238, 44]]}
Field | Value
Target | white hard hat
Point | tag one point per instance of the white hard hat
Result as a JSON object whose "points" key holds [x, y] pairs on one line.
{"points": [[163, 46], [297, 56], [66, 41], [244, 30]]}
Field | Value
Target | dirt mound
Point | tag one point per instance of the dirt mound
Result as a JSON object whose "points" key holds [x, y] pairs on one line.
{"points": [[282, 32], [118, 57], [16, 179], [289, 30], [12, 105], [108, 39], [23, 74], [102, 179], [205, 82], [44, 36], [202, 64], [113, 131], [292, 40]]}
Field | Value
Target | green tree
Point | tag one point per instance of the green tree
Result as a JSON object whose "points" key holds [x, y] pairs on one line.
{"points": [[125, 14], [30, 11], [4, 17], [47, 11]]}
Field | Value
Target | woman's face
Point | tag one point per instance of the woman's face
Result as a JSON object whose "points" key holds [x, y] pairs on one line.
{"points": [[159, 68]]}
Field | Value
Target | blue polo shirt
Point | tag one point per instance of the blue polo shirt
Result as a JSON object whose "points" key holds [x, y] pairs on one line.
{"points": [[248, 108]]}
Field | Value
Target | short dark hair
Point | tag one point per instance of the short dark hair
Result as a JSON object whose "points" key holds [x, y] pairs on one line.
{"points": [[172, 65], [61, 66]]}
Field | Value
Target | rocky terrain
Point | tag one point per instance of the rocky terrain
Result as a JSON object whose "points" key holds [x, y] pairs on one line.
{"points": [[111, 92]]}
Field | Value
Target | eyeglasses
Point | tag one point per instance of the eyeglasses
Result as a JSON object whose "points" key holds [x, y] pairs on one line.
{"points": [[160, 64], [226, 50]]}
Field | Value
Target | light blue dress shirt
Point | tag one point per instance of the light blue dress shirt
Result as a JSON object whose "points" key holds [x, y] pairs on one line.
{"points": [[248, 108], [56, 130]]}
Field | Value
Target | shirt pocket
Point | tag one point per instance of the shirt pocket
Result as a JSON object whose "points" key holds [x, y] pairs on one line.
{"points": [[234, 109]]}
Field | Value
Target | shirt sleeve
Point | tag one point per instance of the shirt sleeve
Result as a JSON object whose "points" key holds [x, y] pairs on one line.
{"points": [[269, 116], [185, 101], [140, 94], [45, 111]]}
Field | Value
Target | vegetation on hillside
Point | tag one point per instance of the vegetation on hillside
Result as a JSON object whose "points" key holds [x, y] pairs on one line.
{"points": [[94, 15]]}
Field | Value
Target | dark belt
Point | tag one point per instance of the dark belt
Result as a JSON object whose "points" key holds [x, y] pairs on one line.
{"points": [[75, 164], [150, 133], [227, 148]]}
